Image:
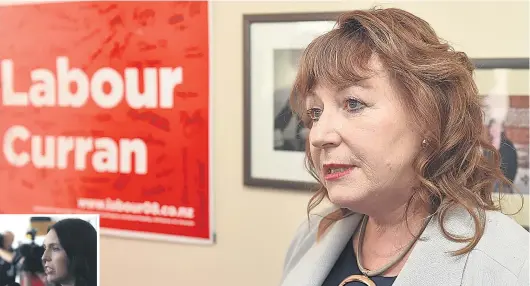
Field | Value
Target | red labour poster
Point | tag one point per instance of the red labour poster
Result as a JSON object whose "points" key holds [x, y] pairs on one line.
{"points": [[105, 109]]}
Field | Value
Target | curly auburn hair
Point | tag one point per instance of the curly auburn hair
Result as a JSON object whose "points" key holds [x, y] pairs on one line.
{"points": [[460, 167]]}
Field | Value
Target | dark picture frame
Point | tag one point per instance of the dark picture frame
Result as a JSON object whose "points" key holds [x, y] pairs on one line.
{"points": [[271, 20]]}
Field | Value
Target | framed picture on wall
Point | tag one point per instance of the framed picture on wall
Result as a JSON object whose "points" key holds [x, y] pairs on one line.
{"points": [[503, 84], [274, 141]]}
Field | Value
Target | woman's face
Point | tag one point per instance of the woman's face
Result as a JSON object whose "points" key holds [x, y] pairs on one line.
{"points": [[362, 143], [9, 237], [55, 260]]}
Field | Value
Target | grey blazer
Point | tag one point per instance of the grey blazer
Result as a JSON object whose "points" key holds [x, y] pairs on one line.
{"points": [[499, 259]]}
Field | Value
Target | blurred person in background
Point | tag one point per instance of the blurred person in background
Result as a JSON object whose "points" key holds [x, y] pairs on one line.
{"points": [[281, 121], [505, 147], [396, 143], [7, 255], [70, 253], [30, 268]]}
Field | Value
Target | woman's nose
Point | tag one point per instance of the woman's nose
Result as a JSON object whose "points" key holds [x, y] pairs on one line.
{"points": [[45, 257], [324, 133]]}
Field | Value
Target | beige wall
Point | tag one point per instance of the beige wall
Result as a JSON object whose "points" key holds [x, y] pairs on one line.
{"points": [[254, 226]]}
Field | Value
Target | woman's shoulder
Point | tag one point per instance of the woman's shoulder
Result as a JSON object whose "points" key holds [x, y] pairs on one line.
{"points": [[504, 231], [504, 242], [305, 236], [308, 227]]}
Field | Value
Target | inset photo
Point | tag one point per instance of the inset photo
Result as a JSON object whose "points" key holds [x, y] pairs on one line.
{"points": [[49, 250]]}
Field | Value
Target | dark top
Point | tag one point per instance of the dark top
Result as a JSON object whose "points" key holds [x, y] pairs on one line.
{"points": [[508, 158], [7, 271], [346, 265]]}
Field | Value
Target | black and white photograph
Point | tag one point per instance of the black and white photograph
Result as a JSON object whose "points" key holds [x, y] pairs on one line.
{"points": [[274, 139], [289, 133]]}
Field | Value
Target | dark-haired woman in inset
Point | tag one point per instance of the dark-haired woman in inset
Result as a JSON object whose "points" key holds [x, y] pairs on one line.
{"points": [[70, 256]]}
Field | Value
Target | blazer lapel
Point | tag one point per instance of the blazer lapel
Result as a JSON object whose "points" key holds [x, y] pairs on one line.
{"points": [[431, 262], [314, 267]]}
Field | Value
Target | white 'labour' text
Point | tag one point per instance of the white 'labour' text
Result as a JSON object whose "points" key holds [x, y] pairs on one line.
{"points": [[50, 88]]}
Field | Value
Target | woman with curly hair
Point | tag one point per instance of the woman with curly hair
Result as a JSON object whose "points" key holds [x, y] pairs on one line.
{"points": [[397, 144]]}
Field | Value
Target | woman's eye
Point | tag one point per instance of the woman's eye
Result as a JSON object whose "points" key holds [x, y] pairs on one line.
{"points": [[314, 113], [352, 104]]}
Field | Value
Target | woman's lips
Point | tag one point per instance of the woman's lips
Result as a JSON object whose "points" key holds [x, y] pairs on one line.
{"points": [[336, 171]]}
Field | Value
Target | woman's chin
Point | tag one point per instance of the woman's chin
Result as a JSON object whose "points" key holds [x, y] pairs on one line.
{"points": [[51, 279], [343, 197], [55, 279]]}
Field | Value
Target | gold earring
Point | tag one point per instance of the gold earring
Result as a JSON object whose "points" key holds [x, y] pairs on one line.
{"points": [[424, 143]]}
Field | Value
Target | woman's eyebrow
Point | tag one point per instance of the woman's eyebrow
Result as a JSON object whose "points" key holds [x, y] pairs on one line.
{"points": [[310, 97]]}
